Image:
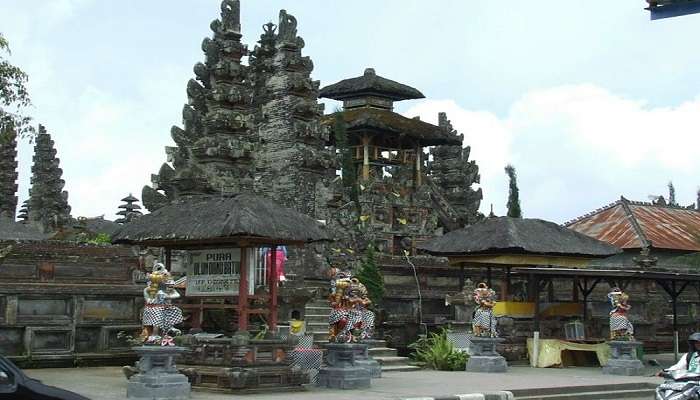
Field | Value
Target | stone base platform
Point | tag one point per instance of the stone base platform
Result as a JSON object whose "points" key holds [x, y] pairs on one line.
{"points": [[484, 357], [343, 370], [623, 359], [157, 377]]}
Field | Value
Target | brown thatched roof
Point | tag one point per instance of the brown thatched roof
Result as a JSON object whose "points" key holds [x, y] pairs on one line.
{"points": [[370, 84], [517, 236], [12, 230], [221, 219], [391, 123]]}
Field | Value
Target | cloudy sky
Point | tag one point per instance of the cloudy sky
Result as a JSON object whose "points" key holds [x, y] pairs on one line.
{"points": [[589, 99]]}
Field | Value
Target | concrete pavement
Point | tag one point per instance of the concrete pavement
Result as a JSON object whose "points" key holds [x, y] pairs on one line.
{"points": [[108, 383]]}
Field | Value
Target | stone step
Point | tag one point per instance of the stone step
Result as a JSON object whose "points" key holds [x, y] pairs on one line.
{"points": [[588, 392], [320, 337], [392, 360], [382, 352], [309, 318], [400, 368], [604, 395], [317, 310], [319, 303], [373, 343]]}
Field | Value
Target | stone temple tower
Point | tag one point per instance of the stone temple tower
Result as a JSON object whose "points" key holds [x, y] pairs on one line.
{"points": [[8, 175], [48, 202]]}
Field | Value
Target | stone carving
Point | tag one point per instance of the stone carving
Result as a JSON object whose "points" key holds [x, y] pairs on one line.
{"points": [[48, 202], [159, 314], [463, 302], [350, 320], [455, 174], [484, 323], [287, 26], [8, 175], [620, 326]]}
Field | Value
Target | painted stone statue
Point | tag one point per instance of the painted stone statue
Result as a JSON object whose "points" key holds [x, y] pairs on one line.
{"points": [[484, 323], [159, 314], [350, 320], [620, 326]]}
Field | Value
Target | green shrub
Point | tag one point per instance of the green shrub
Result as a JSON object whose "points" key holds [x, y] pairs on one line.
{"points": [[437, 352]]}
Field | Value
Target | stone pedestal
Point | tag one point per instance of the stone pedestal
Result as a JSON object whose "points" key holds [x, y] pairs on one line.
{"points": [[483, 356], [623, 358], [157, 377], [342, 370], [363, 359]]}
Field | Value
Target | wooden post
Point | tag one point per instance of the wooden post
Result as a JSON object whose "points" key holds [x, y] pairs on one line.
{"points": [[197, 316], [461, 276], [365, 157], [243, 291], [674, 305], [506, 290], [488, 276], [168, 258], [273, 289], [419, 178], [536, 320]]}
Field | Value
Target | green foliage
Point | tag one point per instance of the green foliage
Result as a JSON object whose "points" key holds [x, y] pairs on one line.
{"points": [[14, 98], [347, 165], [101, 238], [370, 275], [438, 353], [689, 260], [513, 193], [88, 238]]}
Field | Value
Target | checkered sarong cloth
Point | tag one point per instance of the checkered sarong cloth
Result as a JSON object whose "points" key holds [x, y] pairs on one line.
{"points": [[484, 318], [162, 316], [619, 322], [460, 340], [308, 360]]}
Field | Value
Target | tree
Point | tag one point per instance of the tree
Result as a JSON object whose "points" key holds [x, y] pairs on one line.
{"points": [[671, 194], [513, 193], [370, 276], [347, 166], [14, 98]]}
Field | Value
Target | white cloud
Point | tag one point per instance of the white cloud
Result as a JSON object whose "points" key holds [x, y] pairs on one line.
{"points": [[578, 147]]}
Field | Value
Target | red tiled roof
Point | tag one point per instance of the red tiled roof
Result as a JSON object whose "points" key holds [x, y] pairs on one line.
{"points": [[632, 225]]}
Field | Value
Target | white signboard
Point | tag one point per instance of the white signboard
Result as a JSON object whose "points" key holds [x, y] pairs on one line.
{"points": [[214, 272]]}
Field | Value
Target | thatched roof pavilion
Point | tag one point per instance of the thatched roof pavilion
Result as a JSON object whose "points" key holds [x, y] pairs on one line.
{"points": [[243, 221], [520, 241], [202, 220]]}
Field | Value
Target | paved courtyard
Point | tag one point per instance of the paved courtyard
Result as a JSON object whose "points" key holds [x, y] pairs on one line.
{"points": [[107, 383]]}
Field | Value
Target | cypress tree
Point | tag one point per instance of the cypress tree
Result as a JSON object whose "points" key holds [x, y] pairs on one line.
{"points": [[370, 276], [671, 194], [513, 193]]}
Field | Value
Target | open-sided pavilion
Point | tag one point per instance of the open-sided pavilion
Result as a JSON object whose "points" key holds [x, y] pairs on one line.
{"points": [[244, 224]]}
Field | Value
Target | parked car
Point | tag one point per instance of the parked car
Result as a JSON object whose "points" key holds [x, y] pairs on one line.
{"points": [[15, 385]]}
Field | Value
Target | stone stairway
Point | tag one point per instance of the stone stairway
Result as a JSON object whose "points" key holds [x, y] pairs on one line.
{"points": [[316, 316], [642, 390]]}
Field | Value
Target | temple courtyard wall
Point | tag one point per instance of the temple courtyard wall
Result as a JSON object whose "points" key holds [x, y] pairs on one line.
{"points": [[64, 303]]}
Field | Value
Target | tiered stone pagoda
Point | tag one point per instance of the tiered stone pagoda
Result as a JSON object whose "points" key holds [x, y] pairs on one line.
{"points": [[292, 163], [214, 150], [129, 210], [8, 175], [48, 202]]}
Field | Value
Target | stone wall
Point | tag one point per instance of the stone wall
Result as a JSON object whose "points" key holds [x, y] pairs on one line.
{"points": [[63, 303]]}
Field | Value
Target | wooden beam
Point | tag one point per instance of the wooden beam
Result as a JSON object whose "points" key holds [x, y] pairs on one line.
{"points": [[521, 259]]}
